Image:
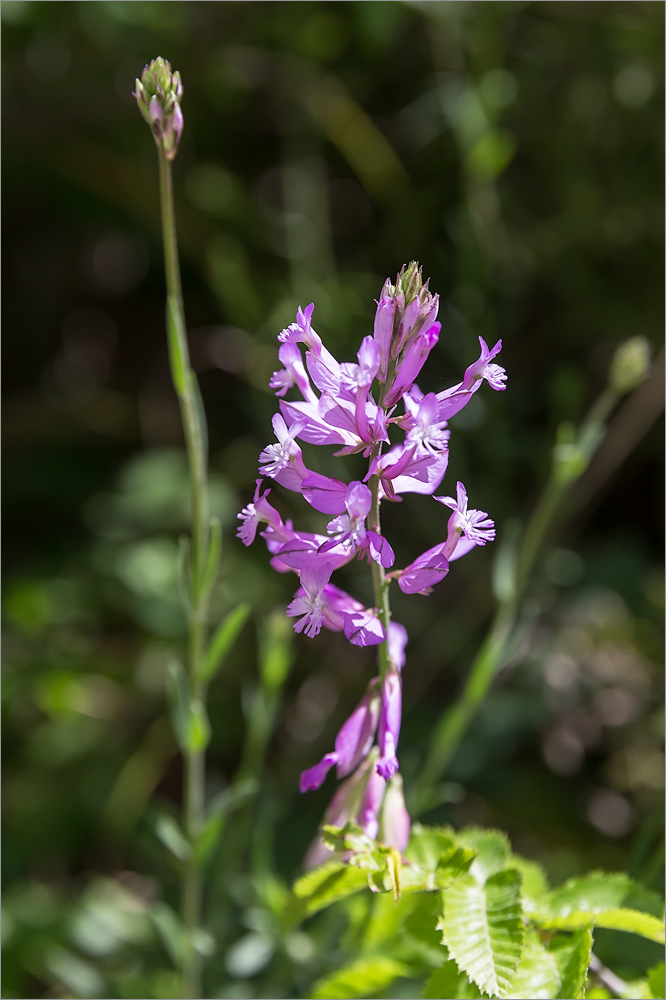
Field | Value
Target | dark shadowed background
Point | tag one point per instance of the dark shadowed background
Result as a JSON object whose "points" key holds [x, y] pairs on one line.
{"points": [[516, 151]]}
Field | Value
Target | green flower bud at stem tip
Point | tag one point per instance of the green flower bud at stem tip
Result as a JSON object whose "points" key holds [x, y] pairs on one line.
{"points": [[630, 365], [158, 94]]}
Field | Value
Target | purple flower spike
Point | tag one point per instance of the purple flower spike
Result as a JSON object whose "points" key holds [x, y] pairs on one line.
{"points": [[389, 725]]}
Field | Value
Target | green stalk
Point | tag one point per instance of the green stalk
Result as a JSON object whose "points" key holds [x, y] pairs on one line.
{"points": [[195, 437]]}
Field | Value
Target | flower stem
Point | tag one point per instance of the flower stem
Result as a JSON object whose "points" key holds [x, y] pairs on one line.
{"points": [[195, 441]]}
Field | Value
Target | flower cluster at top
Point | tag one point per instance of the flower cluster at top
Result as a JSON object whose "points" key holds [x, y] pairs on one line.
{"points": [[354, 406]]}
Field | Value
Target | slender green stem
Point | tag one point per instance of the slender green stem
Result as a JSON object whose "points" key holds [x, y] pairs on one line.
{"points": [[194, 431]]}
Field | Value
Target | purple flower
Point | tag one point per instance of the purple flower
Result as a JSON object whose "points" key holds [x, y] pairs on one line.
{"points": [[293, 373], [308, 602], [451, 401], [256, 513], [283, 461], [422, 425], [475, 525], [349, 528]]}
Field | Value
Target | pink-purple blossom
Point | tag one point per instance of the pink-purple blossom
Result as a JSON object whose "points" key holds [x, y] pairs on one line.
{"points": [[371, 407]]}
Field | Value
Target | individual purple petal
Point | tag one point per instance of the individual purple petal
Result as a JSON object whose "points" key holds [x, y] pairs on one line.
{"points": [[426, 570], [424, 474], [325, 493], [313, 778], [379, 549], [324, 372], [313, 426], [363, 628], [389, 725]]}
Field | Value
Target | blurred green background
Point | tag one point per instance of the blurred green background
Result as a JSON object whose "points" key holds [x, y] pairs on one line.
{"points": [[516, 151]]}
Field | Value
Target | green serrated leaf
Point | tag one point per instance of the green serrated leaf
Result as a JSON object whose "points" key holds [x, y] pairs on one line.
{"points": [[173, 838], [537, 976], [222, 641], [631, 921], [604, 891], [483, 929], [362, 978], [435, 859], [600, 900], [323, 886], [492, 849], [656, 982], [535, 884], [450, 982], [572, 954]]}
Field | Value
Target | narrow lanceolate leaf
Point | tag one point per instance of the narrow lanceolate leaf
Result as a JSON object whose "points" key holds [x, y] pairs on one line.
{"points": [[222, 641], [483, 929], [537, 976], [323, 886], [363, 978], [573, 954]]}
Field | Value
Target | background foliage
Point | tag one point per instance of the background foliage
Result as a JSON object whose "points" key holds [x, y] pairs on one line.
{"points": [[515, 150]]}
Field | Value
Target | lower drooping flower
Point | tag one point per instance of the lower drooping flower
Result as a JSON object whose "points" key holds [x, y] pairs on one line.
{"points": [[378, 807]]}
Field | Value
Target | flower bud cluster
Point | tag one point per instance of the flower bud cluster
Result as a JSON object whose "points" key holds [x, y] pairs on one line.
{"points": [[158, 94], [356, 407]]}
